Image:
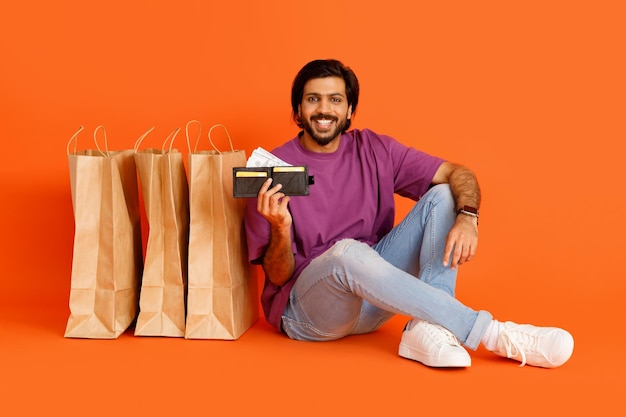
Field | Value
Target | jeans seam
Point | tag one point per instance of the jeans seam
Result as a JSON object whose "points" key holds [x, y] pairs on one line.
{"points": [[396, 231], [431, 219], [427, 275]]}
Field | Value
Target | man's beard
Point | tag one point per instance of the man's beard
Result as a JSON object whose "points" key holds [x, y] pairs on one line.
{"points": [[327, 137]]}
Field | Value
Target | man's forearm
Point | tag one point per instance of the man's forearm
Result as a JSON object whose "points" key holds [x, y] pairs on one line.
{"points": [[464, 186], [278, 261]]}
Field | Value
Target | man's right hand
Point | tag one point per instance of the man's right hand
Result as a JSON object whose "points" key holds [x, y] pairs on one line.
{"points": [[272, 205]]}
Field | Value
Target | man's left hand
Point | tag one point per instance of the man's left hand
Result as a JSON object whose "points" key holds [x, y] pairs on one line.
{"points": [[461, 242]]}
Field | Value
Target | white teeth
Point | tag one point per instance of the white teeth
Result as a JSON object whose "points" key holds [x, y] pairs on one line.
{"points": [[324, 122]]}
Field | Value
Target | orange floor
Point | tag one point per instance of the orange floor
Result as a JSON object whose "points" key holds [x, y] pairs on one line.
{"points": [[42, 373]]}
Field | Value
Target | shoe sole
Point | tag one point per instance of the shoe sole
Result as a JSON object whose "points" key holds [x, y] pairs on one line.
{"points": [[453, 362]]}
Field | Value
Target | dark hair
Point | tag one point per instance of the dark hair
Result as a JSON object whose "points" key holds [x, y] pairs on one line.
{"points": [[323, 68]]}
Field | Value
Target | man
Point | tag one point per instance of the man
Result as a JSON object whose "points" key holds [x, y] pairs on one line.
{"points": [[335, 265]]}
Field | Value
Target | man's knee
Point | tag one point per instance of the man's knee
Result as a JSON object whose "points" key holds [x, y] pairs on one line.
{"points": [[440, 192], [441, 195]]}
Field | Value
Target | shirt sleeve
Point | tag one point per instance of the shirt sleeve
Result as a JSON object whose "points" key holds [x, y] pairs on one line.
{"points": [[414, 170]]}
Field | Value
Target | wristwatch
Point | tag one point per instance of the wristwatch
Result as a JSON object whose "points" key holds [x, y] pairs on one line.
{"points": [[468, 210]]}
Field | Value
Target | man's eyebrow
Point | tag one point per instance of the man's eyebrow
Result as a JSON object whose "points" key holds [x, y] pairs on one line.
{"points": [[312, 93]]}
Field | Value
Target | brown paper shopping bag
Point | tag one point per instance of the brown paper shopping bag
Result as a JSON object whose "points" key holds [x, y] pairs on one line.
{"points": [[222, 291], [166, 200], [107, 254]]}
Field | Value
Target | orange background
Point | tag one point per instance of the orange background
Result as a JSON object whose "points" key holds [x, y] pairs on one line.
{"points": [[529, 94]]}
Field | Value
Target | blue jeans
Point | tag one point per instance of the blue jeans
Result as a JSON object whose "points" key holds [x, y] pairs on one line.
{"points": [[354, 288]]}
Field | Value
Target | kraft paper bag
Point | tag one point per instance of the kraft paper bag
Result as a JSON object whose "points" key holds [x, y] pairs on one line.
{"points": [[107, 254], [222, 290], [166, 200]]}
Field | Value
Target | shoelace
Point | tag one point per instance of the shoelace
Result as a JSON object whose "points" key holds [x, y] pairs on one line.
{"points": [[517, 342], [441, 331]]}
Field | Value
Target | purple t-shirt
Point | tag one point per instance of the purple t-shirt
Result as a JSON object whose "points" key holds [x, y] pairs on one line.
{"points": [[352, 197]]}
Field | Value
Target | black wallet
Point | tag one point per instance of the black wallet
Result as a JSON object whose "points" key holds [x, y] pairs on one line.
{"points": [[294, 179]]}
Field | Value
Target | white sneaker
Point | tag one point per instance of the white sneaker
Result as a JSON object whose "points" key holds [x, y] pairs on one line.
{"points": [[432, 345], [547, 347]]}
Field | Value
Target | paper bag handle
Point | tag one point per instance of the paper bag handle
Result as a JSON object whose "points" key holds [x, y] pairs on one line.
{"points": [[172, 135], [227, 134], [106, 142], [141, 138], [95, 139], [170, 138], [75, 139], [187, 134]]}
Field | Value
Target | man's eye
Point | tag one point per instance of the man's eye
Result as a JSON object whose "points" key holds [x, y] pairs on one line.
{"points": [[336, 100], [312, 99]]}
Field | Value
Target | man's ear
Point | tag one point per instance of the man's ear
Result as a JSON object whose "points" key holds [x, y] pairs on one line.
{"points": [[349, 112]]}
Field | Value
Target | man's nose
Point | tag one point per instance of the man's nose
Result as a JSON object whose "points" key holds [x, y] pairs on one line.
{"points": [[324, 106]]}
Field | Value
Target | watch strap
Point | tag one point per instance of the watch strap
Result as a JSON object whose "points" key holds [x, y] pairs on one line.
{"points": [[468, 210]]}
